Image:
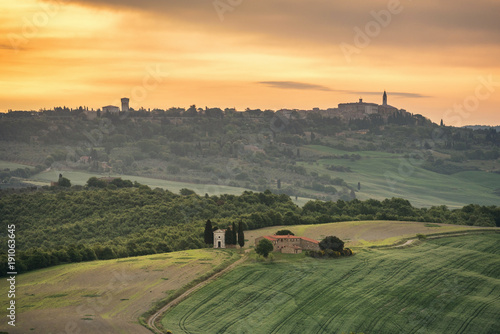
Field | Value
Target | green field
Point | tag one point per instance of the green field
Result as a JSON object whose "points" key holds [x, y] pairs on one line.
{"points": [[381, 175], [80, 178], [11, 165], [385, 175], [449, 285]]}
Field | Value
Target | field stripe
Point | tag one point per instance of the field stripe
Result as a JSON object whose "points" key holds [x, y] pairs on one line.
{"points": [[184, 318]]}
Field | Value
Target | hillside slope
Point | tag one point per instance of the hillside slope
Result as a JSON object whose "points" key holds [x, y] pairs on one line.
{"points": [[103, 296], [449, 285]]}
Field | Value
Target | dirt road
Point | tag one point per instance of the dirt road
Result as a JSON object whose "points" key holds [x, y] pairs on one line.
{"points": [[153, 318]]}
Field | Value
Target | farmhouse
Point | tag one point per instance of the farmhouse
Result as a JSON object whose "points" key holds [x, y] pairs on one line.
{"points": [[290, 244]]}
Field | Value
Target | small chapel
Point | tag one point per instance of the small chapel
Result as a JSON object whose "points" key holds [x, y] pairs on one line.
{"points": [[220, 238]]}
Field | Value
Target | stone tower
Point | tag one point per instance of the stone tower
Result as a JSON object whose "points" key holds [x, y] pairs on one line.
{"points": [[125, 106], [220, 238], [384, 99]]}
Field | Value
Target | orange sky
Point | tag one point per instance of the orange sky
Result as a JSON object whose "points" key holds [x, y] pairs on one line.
{"points": [[440, 59]]}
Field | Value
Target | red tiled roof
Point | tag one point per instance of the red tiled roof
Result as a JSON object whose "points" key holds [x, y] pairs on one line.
{"points": [[284, 236], [277, 237], [310, 240]]}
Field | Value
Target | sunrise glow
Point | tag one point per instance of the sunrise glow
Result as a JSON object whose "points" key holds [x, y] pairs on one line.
{"points": [[430, 57]]}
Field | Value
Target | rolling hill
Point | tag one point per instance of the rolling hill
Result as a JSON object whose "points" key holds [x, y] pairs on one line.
{"points": [[109, 296], [104, 296], [449, 285]]}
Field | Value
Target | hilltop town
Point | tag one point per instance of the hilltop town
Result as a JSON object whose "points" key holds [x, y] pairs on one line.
{"points": [[344, 111]]}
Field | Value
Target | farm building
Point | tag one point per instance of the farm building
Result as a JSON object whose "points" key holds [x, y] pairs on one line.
{"points": [[290, 244]]}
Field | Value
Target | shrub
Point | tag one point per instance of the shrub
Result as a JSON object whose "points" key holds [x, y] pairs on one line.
{"points": [[186, 192], [284, 232], [333, 243], [346, 252], [328, 253]]}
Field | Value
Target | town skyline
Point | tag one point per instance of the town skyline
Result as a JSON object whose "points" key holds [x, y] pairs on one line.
{"points": [[274, 55]]}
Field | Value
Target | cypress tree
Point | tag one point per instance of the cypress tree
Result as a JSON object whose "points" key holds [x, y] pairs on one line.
{"points": [[233, 236], [209, 234], [229, 236], [241, 235]]}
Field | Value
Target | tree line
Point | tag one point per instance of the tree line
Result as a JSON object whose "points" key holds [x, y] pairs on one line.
{"points": [[60, 225]]}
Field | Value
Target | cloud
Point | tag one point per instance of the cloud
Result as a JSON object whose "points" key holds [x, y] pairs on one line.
{"points": [[308, 86], [294, 85], [402, 94], [422, 22]]}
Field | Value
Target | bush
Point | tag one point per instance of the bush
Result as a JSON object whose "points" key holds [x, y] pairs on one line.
{"points": [[328, 253], [64, 182], [333, 243], [186, 192], [347, 252], [284, 232]]}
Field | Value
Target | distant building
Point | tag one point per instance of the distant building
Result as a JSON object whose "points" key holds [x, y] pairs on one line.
{"points": [[385, 110], [290, 244], [220, 238], [125, 106], [360, 110], [111, 109], [85, 159]]}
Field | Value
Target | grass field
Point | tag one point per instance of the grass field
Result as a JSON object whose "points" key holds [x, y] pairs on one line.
{"points": [[102, 296], [11, 165], [80, 178], [385, 175], [449, 285], [381, 175], [362, 233]]}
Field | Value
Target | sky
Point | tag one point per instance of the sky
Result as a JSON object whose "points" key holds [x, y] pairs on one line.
{"points": [[440, 59]]}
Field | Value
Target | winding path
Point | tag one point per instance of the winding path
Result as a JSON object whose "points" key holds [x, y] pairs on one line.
{"points": [[153, 318], [408, 242]]}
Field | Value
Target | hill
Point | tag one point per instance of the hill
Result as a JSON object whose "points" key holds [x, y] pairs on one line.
{"points": [[121, 219], [299, 154], [104, 296], [448, 285], [381, 175], [111, 295]]}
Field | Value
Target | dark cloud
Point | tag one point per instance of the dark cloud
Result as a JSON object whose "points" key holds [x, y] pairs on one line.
{"points": [[402, 94], [423, 22], [294, 85], [308, 86]]}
